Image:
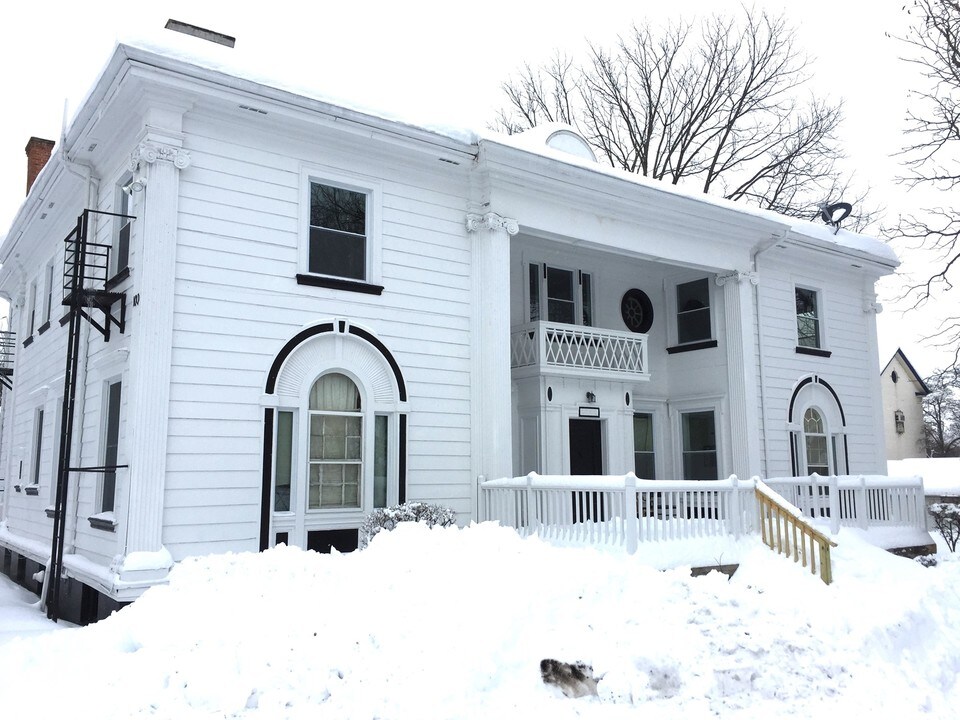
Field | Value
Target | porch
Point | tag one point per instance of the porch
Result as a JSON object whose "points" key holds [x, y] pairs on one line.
{"points": [[697, 522]]}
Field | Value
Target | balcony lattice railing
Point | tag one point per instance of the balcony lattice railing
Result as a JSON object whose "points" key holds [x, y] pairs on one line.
{"points": [[555, 347]]}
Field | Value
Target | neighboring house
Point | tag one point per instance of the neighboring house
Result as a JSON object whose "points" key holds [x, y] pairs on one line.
{"points": [[296, 312], [903, 391]]}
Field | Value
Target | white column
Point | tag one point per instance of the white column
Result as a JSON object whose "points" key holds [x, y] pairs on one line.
{"points": [[159, 159], [491, 342], [872, 308], [742, 384]]}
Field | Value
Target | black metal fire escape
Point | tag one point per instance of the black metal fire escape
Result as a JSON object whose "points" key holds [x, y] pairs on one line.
{"points": [[8, 342], [86, 269]]}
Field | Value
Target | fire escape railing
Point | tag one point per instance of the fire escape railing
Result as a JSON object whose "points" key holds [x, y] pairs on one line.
{"points": [[8, 342], [86, 269]]}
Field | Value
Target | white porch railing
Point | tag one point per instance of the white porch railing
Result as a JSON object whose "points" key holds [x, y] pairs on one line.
{"points": [[619, 510], [861, 501], [555, 347]]}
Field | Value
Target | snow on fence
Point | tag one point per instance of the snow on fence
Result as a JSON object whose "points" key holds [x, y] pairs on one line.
{"points": [[620, 510], [785, 530], [862, 501]]}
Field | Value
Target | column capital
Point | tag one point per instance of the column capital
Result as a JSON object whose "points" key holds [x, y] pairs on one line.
{"points": [[872, 306], [151, 152], [739, 276], [491, 221]]}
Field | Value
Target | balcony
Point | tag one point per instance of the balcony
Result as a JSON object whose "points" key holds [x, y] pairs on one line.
{"points": [[547, 348]]}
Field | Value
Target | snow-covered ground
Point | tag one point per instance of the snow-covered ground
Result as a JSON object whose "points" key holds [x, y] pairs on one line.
{"points": [[454, 623]]}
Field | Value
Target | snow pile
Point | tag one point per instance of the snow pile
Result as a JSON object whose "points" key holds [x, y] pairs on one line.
{"points": [[941, 476], [453, 623]]}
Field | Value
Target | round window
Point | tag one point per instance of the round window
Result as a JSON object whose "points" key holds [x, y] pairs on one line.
{"points": [[637, 310]]}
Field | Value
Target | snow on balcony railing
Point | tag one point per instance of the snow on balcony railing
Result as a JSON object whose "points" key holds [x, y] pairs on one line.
{"points": [[620, 510], [862, 501], [557, 347]]}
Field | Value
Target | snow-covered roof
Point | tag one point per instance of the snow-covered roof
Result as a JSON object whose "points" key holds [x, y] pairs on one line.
{"points": [[554, 141]]}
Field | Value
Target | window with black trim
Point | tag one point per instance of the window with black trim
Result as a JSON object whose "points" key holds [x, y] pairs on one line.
{"points": [[48, 292], [693, 311], [37, 445]]}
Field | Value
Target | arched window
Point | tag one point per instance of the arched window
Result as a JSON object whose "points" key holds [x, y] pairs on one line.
{"points": [[817, 430], [336, 443], [815, 443]]}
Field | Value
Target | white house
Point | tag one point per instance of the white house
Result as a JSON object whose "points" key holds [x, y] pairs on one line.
{"points": [[903, 390], [275, 314]]}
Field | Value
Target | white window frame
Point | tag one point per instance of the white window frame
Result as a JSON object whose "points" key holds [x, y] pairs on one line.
{"points": [[704, 404], [374, 223], [821, 325], [123, 204], [673, 327], [55, 449], [578, 305], [814, 395]]}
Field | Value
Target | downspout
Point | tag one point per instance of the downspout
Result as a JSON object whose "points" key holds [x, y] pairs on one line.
{"points": [[754, 260]]}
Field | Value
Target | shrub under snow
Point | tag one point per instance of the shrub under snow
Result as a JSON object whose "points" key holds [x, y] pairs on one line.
{"points": [[387, 518], [946, 516]]}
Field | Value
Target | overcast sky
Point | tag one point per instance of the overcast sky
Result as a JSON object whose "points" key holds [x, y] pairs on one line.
{"points": [[442, 62]]}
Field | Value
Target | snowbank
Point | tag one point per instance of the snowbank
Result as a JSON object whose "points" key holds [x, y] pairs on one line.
{"points": [[453, 623], [941, 476]]}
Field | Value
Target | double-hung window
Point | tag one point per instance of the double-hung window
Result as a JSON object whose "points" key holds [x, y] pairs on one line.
{"points": [[699, 445], [32, 305], [644, 457], [560, 295], [693, 311], [338, 232], [37, 445], [808, 318], [120, 252], [336, 443], [111, 445]]}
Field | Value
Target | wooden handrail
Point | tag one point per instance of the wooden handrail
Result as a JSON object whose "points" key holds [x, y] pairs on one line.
{"points": [[784, 530]]}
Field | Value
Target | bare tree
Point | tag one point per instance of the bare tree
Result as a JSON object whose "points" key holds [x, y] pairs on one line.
{"points": [[932, 157], [941, 414], [718, 104]]}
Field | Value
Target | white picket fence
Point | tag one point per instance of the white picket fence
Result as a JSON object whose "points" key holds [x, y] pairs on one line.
{"points": [[622, 510]]}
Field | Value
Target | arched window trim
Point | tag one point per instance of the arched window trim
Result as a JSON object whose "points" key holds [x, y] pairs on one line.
{"points": [[386, 399], [815, 393]]}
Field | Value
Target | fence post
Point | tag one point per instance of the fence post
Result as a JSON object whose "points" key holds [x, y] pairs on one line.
{"points": [[834, 500], [531, 514], [863, 519], [921, 505], [630, 518], [481, 500], [735, 521]]}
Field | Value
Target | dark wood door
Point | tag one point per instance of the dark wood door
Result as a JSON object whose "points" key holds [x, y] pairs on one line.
{"points": [[586, 458]]}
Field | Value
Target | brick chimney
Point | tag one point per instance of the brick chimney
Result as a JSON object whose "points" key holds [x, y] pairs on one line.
{"points": [[38, 152]]}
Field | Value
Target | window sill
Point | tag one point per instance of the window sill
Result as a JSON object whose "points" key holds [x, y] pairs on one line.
{"points": [[813, 351], [50, 512], [28, 342], [31, 490], [118, 278], [689, 347], [103, 521], [65, 319], [339, 284], [43, 328]]}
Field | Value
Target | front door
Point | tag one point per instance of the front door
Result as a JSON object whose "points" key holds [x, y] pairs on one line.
{"points": [[586, 458], [586, 447]]}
